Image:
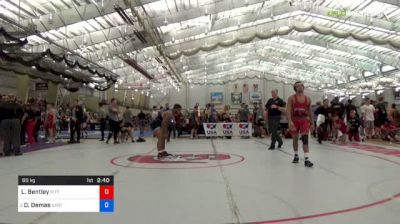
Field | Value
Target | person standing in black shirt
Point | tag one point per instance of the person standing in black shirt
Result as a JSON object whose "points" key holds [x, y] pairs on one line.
{"points": [[114, 120], [381, 115], [275, 106], [10, 119], [337, 107], [75, 122], [349, 108], [102, 120]]}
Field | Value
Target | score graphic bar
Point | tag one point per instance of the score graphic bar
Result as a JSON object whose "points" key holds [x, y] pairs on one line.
{"points": [[65, 194]]}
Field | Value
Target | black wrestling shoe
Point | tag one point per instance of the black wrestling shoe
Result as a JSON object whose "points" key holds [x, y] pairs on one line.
{"points": [[163, 155], [308, 163], [296, 159]]}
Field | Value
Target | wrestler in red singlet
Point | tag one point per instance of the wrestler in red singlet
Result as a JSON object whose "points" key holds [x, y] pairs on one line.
{"points": [[299, 117]]}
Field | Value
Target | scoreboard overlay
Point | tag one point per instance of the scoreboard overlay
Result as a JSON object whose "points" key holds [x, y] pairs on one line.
{"points": [[66, 194]]}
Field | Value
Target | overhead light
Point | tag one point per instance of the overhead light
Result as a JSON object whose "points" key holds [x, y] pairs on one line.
{"points": [[387, 68], [352, 78], [368, 74]]}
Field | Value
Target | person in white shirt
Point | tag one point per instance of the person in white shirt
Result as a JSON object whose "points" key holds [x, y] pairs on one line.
{"points": [[367, 111]]}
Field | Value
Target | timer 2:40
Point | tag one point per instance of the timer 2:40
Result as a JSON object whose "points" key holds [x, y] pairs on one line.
{"points": [[103, 180]]}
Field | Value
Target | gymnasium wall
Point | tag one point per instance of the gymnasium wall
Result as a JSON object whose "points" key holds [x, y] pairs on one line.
{"points": [[188, 96]]}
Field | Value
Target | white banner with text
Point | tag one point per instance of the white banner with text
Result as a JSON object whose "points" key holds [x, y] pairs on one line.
{"points": [[227, 129]]}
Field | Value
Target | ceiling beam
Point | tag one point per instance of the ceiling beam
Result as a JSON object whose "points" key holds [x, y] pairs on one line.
{"points": [[371, 54], [76, 14], [92, 38]]}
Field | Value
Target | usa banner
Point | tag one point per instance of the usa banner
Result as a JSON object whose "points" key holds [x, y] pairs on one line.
{"points": [[210, 129], [227, 129]]}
